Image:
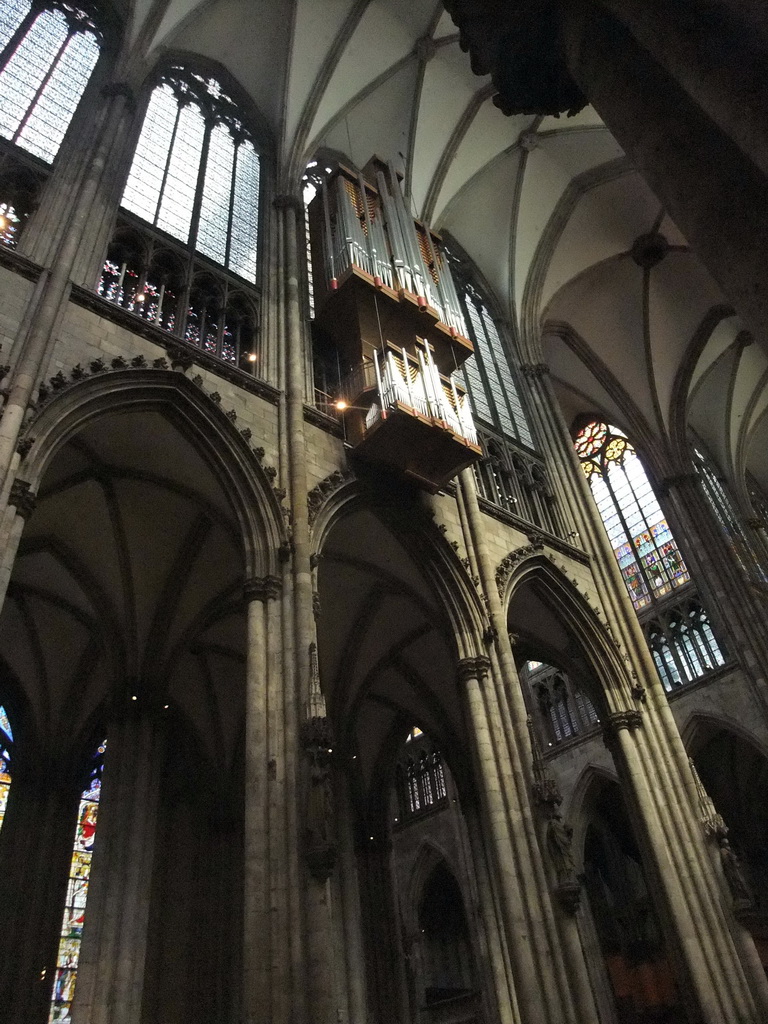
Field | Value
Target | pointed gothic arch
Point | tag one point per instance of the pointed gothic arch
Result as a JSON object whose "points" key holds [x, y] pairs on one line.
{"points": [[580, 622], [191, 411]]}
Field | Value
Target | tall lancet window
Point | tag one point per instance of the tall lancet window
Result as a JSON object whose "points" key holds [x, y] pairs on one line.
{"points": [[77, 894], [490, 381], [6, 748], [642, 541], [195, 173], [47, 53], [728, 516]]}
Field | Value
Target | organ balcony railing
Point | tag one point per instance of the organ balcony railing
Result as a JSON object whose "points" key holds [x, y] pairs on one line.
{"points": [[401, 411], [385, 299]]}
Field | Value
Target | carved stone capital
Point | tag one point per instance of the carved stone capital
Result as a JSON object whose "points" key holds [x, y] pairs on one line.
{"points": [[617, 721], [288, 201], [22, 498], [534, 370], [473, 668], [262, 588], [112, 89]]}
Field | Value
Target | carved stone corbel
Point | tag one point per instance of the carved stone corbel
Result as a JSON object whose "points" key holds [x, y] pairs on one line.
{"points": [[22, 498]]}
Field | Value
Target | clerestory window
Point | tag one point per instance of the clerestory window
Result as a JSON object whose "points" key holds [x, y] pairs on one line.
{"points": [[195, 173], [184, 256], [676, 627], [491, 383], [642, 541], [728, 516], [48, 51]]}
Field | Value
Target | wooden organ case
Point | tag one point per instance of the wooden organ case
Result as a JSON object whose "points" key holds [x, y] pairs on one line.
{"points": [[385, 297]]}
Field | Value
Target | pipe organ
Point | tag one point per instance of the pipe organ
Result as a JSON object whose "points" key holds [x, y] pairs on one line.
{"points": [[385, 296]]}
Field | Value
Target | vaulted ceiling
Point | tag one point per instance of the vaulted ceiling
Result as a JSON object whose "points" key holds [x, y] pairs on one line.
{"points": [[548, 209]]}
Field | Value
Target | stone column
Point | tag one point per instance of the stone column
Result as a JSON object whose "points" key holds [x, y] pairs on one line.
{"points": [[716, 51], [386, 982], [507, 715], [538, 987], [257, 937], [35, 850], [351, 909], [110, 979], [21, 505], [659, 785], [710, 974], [708, 185], [37, 332]]}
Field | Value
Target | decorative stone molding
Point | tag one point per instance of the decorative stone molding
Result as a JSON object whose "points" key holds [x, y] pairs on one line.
{"points": [[22, 498], [112, 89], [317, 744], [649, 250], [618, 720], [546, 792], [473, 668], [507, 565], [711, 822], [528, 141], [520, 46], [321, 492], [262, 588], [534, 370], [180, 359], [24, 446], [288, 201]]}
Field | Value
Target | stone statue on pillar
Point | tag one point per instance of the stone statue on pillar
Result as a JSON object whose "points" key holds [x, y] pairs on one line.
{"points": [[317, 741], [743, 898], [559, 836]]}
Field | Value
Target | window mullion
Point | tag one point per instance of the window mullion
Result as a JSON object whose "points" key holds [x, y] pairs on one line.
{"points": [[194, 226], [620, 512], [231, 217], [42, 87], [18, 36], [167, 165], [484, 315], [479, 360]]}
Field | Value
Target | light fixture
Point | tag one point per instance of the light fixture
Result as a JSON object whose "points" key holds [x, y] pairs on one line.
{"points": [[134, 697], [140, 297], [341, 405], [252, 357]]}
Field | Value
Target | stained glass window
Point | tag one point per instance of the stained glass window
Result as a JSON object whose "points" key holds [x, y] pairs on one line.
{"points": [[195, 173], [6, 748], [490, 382], [47, 58], [77, 895], [648, 556], [728, 517]]}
